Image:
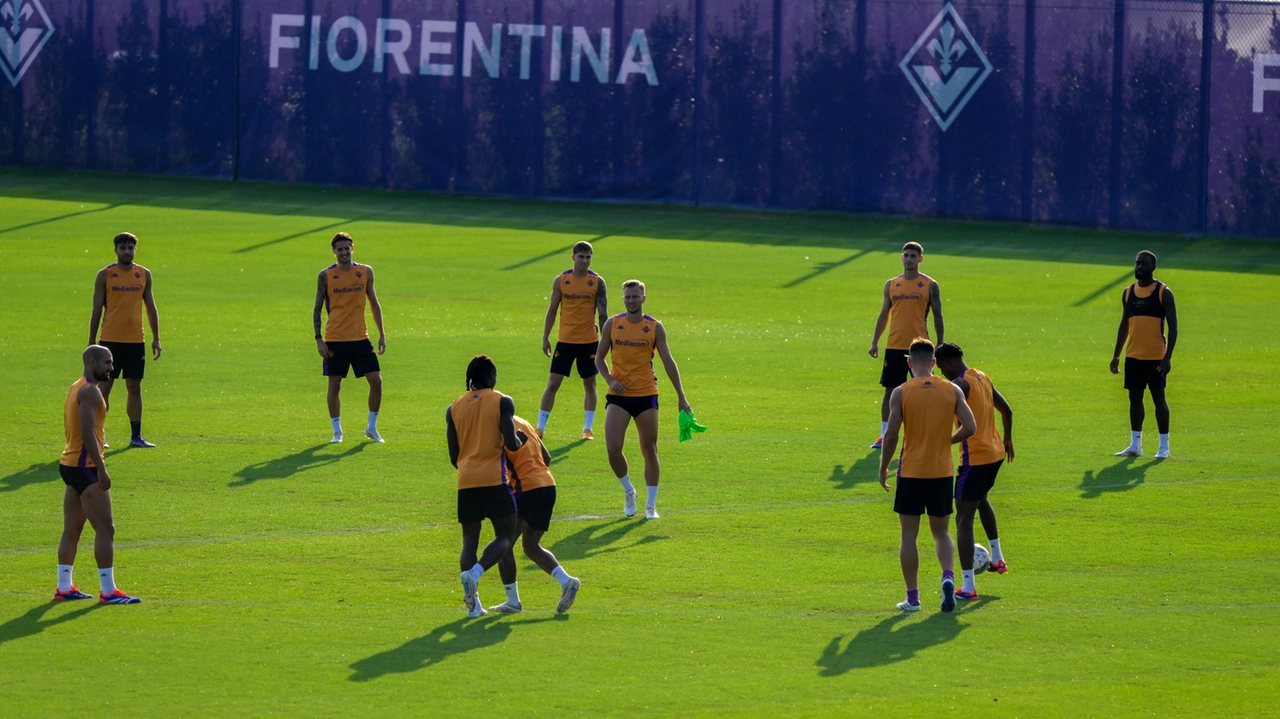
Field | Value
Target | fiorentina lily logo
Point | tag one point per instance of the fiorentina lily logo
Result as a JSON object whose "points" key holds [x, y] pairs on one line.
{"points": [[24, 29], [946, 66]]}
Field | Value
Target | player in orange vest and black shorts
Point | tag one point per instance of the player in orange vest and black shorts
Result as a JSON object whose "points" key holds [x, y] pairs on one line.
{"points": [[120, 291], [343, 288], [1148, 304], [479, 425], [924, 408], [579, 295]]}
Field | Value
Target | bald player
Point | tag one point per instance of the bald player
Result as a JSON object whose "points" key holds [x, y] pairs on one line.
{"points": [[1147, 304], [633, 337], [342, 291], [479, 426], [924, 408], [88, 484], [908, 299], [579, 294], [535, 491], [120, 291]]}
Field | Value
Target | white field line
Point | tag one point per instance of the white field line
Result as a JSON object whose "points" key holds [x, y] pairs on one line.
{"points": [[585, 517]]}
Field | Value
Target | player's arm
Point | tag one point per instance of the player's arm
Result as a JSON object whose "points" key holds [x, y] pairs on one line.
{"points": [[602, 304], [890, 436], [602, 350], [451, 433], [322, 291], [546, 456], [669, 364], [90, 398], [506, 423], [964, 416], [99, 304], [882, 321], [963, 384], [1006, 415], [1171, 314], [935, 303], [377, 311], [153, 315], [1122, 334], [550, 320]]}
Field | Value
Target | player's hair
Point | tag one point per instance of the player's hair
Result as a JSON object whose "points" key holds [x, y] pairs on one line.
{"points": [[95, 353], [948, 350], [479, 371], [1150, 254], [633, 283], [340, 237], [914, 246], [583, 246], [125, 237], [921, 349]]}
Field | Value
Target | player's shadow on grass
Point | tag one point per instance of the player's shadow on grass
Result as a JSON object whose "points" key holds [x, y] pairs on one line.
{"points": [[32, 622], [892, 641], [560, 453], [47, 220], [289, 465], [600, 539], [456, 637], [1119, 477], [863, 471], [34, 474]]}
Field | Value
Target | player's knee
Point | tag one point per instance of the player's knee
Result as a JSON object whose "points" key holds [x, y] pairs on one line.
{"points": [[649, 449], [553, 383], [375, 380]]}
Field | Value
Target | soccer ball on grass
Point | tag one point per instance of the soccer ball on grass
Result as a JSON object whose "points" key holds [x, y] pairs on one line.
{"points": [[981, 559]]}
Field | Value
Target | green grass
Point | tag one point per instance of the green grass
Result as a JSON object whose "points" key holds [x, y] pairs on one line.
{"points": [[285, 576]]}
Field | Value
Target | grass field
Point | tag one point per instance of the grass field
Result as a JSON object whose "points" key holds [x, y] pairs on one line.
{"points": [[282, 575]]}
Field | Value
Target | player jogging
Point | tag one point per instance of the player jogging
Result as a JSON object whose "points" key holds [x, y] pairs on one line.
{"points": [[342, 290], [980, 458], [924, 408], [535, 491], [87, 495], [633, 337], [908, 298], [479, 426], [120, 291], [580, 295], [1147, 304]]}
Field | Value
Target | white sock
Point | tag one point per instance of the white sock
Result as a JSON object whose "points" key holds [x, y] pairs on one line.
{"points": [[543, 415], [513, 594], [108, 578], [589, 419], [625, 481], [969, 586], [373, 421], [653, 496], [884, 428], [64, 577], [477, 571], [1136, 442], [996, 555], [1164, 441], [337, 425], [560, 576]]}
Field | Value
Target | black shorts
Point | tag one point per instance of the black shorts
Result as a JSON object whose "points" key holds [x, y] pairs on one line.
{"points": [[915, 497], [565, 355], [129, 358], [78, 478], [1141, 374], [358, 355], [896, 370], [974, 481], [477, 504], [535, 507], [635, 406]]}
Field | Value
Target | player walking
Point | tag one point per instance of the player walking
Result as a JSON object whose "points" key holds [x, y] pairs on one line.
{"points": [[980, 458], [535, 491], [633, 337], [342, 290], [87, 495], [579, 293], [478, 426], [1147, 304], [924, 408], [908, 298], [121, 289]]}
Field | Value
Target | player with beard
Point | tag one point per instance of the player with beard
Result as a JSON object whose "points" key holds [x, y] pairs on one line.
{"points": [[1147, 304]]}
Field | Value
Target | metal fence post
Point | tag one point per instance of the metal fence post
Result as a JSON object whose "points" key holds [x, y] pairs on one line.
{"points": [[1117, 115], [699, 34], [775, 111], [1028, 110], [237, 28], [1206, 71]]}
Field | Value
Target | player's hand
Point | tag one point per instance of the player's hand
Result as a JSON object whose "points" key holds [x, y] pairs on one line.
{"points": [[323, 349], [546, 346], [522, 436], [155, 348], [1164, 367], [884, 478], [874, 351], [1115, 365], [1008, 450], [684, 406], [382, 344], [617, 387], [104, 479]]}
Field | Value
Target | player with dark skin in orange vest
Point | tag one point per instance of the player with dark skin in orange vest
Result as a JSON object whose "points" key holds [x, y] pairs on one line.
{"points": [[1148, 305]]}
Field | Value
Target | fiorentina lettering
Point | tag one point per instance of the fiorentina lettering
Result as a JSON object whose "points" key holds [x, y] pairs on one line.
{"points": [[394, 37]]}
